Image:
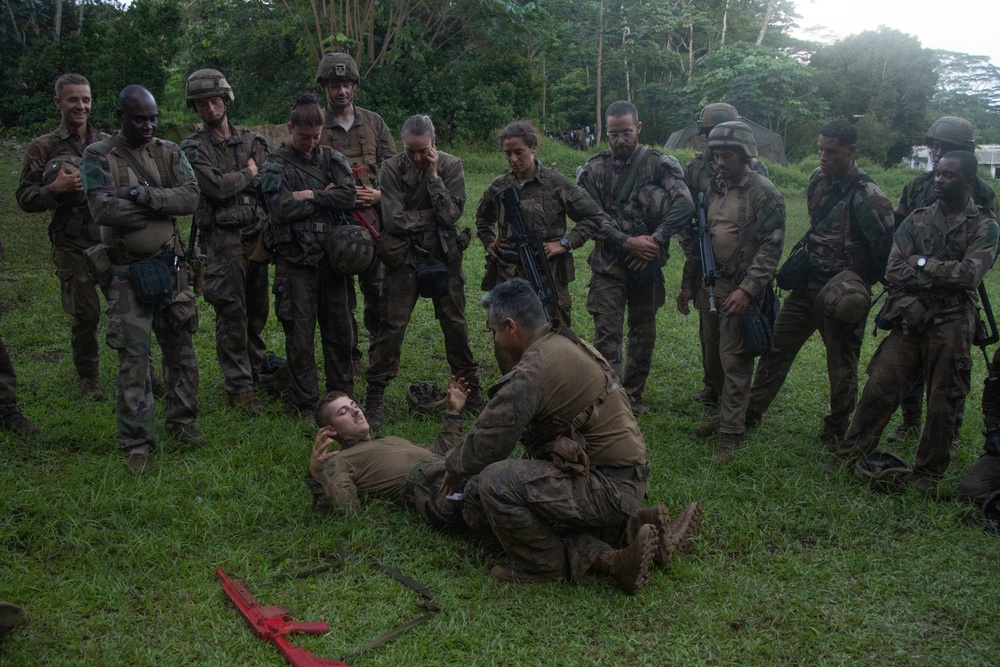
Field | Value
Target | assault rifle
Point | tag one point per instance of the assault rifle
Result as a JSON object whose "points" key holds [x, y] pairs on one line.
{"points": [[196, 260], [272, 624], [986, 336], [708, 271], [530, 253]]}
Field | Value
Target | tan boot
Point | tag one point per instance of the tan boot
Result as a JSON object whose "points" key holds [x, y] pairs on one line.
{"points": [[684, 528], [629, 567], [248, 402], [726, 448], [660, 518]]}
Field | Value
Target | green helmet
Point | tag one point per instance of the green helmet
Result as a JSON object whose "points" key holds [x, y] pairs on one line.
{"points": [[204, 84], [713, 114], [845, 298], [426, 398], [349, 249], [337, 66], [735, 136], [952, 130]]}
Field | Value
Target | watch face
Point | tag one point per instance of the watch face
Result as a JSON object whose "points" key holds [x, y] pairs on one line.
{"points": [[922, 261]]}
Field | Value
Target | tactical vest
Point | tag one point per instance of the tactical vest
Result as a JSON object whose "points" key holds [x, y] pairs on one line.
{"points": [[307, 233], [367, 138], [240, 210]]}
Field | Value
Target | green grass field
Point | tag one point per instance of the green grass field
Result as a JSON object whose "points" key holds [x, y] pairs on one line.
{"points": [[793, 567]]}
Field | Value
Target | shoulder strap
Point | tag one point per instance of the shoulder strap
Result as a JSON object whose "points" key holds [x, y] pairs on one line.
{"points": [[626, 184], [132, 162], [290, 156]]}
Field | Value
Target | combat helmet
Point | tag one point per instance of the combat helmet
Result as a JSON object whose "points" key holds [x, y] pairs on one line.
{"points": [[426, 398], [337, 66], [845, 298], [952, 130], [349, 249], [204, 84], [733, 135], [716, 113]]}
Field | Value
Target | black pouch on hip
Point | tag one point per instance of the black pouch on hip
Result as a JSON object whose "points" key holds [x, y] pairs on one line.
{"points": [[152, 280], [432, 278]]}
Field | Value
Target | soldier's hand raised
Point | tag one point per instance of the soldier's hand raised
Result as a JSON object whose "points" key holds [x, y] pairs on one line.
{"points": [[321, 452]]}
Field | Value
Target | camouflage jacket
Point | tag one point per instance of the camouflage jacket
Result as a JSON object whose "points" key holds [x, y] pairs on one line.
{"points": [[422, 213], [546, 200], [658, 204], [557, 388], [368, 142], [754, 204], [700, 172], [299, 226], [229, 195], [865, 210], [958, 254], [71, 225], [166, 188], [919, 193], [377, 468]]}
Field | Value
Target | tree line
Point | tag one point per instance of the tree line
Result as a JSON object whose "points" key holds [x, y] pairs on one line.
{"points": [[474, 65]]}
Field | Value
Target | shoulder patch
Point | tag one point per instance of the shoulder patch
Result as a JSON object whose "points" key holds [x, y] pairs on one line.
{"points": [[90, 170], [270, 180], [339, 158], [190, 144]]}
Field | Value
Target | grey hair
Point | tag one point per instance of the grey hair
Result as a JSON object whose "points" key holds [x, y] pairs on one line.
{"points": [[419, 125], [517, 300]]}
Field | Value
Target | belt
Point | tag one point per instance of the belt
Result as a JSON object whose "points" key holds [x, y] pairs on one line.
{"points": [[315, 227]]}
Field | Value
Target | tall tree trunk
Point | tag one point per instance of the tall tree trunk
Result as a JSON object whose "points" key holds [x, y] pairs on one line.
{"points": [[725, 23], [628, 82], [600, 63], [57, 21], [767, 21]]}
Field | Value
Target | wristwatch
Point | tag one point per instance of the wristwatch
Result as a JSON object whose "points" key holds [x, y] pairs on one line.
{"points": [[133, 193], [921, 262], [564, 242]]}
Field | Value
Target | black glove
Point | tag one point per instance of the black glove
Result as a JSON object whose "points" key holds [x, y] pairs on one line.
{"points": [[992, 445]]}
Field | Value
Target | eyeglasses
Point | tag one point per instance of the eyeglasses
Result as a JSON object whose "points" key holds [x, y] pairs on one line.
{"points": [[624, 133]]}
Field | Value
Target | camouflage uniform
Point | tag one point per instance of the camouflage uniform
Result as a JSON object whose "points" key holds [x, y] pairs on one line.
{"points": [[919, 193], [235, 285], [419, 218], [699, 173], [586, 466], [394, 469], [367, 143], [658, 204], [867, 214], [306, 287], [546, 200], [137, 230], [933, 314], [983, 478], [71, 231], [755, 204]]}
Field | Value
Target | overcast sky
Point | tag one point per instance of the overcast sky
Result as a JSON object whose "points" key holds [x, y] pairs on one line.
{"points": [[967, 26]]}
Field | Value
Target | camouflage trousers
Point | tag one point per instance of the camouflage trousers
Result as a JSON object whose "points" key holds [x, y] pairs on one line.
{"points": [[398, 299], [8, 380], [237, 289], [80, 299], [942, 354], [799, 317], [982, 479], [303, 296], [370, 282], [549, 521], [607, 300], [131, 326], [724, 346], [423, 493]]}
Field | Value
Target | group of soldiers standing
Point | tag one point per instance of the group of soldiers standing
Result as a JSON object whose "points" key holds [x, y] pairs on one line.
{"points": [[338, 190]]}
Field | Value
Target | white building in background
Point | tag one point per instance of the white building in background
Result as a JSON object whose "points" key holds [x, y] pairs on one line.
{"points": [[987, 154]]}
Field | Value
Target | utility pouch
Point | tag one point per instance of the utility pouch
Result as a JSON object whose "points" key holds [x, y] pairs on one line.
{"points": [[182, 313], [99, 261], [432, 277], [152, 280], [758, 323], [252, 241], [644, 277], [794, 273]]}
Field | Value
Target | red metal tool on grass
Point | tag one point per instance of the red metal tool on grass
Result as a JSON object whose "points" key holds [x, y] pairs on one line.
{"points": [[273, 623]]}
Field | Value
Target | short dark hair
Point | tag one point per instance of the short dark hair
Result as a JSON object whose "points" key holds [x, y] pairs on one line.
{"points": [[517, 300], [306, 111], [320, 411], [520, 129], [842, 130], [70, 79], [969, 163], [130, 92], [419, 125], [622, 108]]}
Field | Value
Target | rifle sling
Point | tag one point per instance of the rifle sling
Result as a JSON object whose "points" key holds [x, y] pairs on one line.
{"points": [[290, 156]]}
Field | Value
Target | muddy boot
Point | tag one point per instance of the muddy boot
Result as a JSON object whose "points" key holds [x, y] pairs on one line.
{"points": [[11, 419], [91, 388], [10, 617], [708, 429], [684, 528], [753, 418], [186, 434], [375, 408], [726, 448], [629, 567], [475, 403], [637, 405], [707, 396], [658, 517], [247, 402]]}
